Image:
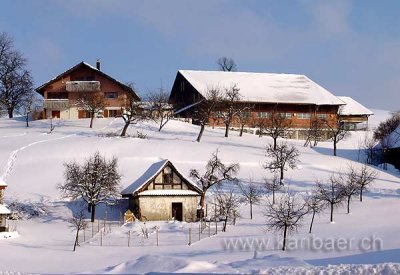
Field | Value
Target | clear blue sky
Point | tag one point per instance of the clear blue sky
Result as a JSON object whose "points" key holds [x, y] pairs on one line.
{"points": [[349, 47]]}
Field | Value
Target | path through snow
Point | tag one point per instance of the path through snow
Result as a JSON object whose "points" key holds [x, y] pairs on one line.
{"points": [[13, 156]]}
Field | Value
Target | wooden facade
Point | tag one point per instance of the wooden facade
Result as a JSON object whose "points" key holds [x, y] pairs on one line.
{"points": [[61, 93], [184, 94], [163, 193]]}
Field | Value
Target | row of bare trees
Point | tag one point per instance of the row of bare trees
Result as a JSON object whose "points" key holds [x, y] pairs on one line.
{"points": [[287, 213]]}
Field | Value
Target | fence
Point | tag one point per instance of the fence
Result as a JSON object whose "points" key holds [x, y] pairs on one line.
{"points": [[168, 233]]}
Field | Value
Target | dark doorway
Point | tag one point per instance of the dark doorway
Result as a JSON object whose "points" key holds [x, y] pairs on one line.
{"points": [[177, 211], [55, 114]]}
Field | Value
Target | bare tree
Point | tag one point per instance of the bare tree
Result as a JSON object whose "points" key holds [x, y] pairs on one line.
{"points": [[78, 223], [15, 79], [315, 133], [387, 134], [91, 102], [349, 187], [315, 205], [28, 106], [272, 186], [216, 172], [228, 204], [285, 215], [244, 116], [252, 194], [206, 108], [230, 106], [368, 145], [261, 123], [161, 111], [277, 126], [96, 181], [226, 64], [331, 193], [282, 156], [337, 131], [363, 177], [133, 112]]}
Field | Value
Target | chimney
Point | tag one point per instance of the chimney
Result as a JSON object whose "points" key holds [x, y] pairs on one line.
{"points": [[98, 64]]}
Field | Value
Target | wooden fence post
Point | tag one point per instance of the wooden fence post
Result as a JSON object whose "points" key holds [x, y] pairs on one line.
{"points": [[98, 226], [199, 231], [209, 228], [157, 234], [129, 238], [84, 233], [101, 237], [190, 236]]}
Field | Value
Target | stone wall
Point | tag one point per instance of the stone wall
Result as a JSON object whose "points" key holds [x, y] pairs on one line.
{"points": [[154, 208]]}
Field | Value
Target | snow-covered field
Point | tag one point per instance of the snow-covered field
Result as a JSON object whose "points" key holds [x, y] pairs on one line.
{"points": [[31, 162]]}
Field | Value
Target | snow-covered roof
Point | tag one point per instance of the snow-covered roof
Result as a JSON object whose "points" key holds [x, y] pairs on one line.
{"points": [[169, 192], [264, 87], [2, 182], [151, 173], [353, 107], [4, 210]]}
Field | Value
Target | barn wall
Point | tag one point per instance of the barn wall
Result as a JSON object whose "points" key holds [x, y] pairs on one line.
{"points": [[155, 208]]}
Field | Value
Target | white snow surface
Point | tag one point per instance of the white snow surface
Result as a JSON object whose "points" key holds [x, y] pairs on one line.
{"points": [[34, 162], [264, 87], [353, 107]]}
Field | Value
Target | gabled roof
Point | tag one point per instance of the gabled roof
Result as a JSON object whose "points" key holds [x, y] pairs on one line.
{"points": [[84, 64], [353, 107], [4, 210], [152, 173], [264, 87]]}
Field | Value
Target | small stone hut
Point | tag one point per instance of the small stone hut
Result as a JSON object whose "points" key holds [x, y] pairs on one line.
{"points": [[163, 193]]}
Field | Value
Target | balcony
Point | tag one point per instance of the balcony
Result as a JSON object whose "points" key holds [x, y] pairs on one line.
{"points": [[59, 104], [82, 86]]}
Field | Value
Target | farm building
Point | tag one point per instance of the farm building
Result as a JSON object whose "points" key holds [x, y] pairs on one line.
{"points": [[4, 211], [296, 97], [62, 92], [354, 115], [163, 193]]}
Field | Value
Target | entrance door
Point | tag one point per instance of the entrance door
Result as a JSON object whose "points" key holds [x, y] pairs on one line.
{"points": [[55, 114], [177, 211]]}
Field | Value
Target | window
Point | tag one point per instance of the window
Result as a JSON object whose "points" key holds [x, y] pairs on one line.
{"points": [[321, 116], [285, 115], [264, 114], [112, 113], [303, 115], [111, 95]]}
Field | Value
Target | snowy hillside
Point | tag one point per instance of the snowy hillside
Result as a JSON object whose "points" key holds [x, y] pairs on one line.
{"points": [[31, 163]]}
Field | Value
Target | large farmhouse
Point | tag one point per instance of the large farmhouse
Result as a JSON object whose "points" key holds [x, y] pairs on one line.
{"points": [[163, 193], [4, 211], [354, 115], [62, 92], [296, 97]]}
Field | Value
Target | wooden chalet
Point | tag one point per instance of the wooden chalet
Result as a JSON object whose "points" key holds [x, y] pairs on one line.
{"points": [[4, 211], [61, 93], [354, 115], [163, 193], [296, 97]]}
